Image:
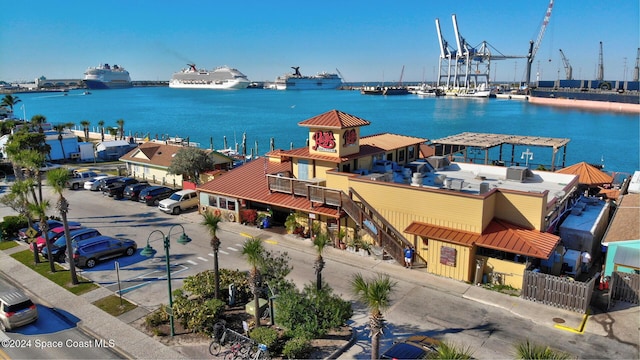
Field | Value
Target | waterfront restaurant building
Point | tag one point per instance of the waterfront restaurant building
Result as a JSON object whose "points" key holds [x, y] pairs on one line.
{"points": [[464, 220]]}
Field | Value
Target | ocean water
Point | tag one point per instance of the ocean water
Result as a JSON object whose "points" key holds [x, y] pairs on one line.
{"points": [[209, 117]]}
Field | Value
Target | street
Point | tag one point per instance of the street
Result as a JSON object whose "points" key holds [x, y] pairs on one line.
{"points": [[421, 304]]}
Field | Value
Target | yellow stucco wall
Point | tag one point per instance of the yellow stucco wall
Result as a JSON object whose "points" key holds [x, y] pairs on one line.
{"points": [[402, 205], [151, 173], [521, 208], [510, 272], [341, 149], [462, 270]]}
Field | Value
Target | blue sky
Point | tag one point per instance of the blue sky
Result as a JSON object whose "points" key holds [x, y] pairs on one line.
{"points": [[365, 40]]}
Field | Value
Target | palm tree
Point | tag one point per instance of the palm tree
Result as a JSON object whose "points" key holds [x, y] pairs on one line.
{"points": [[38, 120], [120, 123], [10, 101], [320, 242], [57, 179], [211, 222], [85, 126], [374, 295], [253, 250], [101, 125], [33, 160], [40, 210], [60, 129], [20, 192], [113, 131]]}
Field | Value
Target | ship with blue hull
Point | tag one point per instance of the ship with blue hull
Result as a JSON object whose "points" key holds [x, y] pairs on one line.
{"points": [[105, 76]]}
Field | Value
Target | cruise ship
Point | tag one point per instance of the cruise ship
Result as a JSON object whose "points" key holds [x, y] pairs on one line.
{"points": [[295, 81], [107, 77], [222, 77]]}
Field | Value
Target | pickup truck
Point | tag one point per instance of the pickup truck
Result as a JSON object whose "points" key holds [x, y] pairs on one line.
{"points": [[78, 179]]}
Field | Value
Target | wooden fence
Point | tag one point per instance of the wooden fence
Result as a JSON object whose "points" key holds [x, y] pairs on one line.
{"points": [[560, 292], [624, 287]]}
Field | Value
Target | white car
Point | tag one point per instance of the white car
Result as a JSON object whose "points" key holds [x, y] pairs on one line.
{"points": [[89, 184], [178, 201]]}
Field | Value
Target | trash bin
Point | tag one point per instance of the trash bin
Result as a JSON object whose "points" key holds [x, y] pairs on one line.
{"points": [[266, 222]]}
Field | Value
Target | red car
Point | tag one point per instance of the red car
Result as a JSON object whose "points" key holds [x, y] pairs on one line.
{"points": [[54, 234]]}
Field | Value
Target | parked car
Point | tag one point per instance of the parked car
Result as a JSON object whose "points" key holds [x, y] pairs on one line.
{"points": [[59, 247], [414, 347], [16, 309], [154, 194], [116, 188], [106, 182], [89, 252], [89, 184], [78, 179], [22, 233], [178, 201], [54, 234], [132, 192]]}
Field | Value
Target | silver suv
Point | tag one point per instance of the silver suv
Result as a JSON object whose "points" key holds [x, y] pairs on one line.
{"points": [[16, 309], [178, 201]]}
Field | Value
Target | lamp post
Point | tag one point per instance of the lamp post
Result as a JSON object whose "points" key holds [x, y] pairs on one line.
{"points": [[527, 155], [148, 251]]}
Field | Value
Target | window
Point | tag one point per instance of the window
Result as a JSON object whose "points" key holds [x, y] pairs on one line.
{"points": [[231, 205], [412, 153], [390, 156], [223, 203], [401, 155]]}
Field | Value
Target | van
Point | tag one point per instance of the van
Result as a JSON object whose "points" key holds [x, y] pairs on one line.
{"points": [[178, 201], [89, 252], [16, 309]]}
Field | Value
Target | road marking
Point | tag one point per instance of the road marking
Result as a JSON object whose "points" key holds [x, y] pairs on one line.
{"points": [[272, 242], [223, 252], [246, 235], [147, 279], [4, 337], [192, 262], [232, 249], [203, 259]]}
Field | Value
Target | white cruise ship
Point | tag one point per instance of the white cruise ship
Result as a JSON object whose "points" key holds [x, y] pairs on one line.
{"points": [[295, 81], [222, 77], [107, 77]]}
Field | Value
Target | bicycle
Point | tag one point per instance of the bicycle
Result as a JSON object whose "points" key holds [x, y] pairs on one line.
{"points": [[261, 353], [238, 350], [219, 338]]}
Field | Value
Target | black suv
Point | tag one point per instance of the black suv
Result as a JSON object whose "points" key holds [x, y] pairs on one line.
{"points": [[103, 183], [116, 188], [153, 194], [132, 192]]}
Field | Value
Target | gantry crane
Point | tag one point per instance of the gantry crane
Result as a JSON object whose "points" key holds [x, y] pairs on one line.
{"points": [[533, 47], [567, 67], [600, 75], [636, 70]]}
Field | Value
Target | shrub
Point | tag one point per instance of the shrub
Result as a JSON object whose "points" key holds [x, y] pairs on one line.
{"points": [[311, 313], [196, 313], [157, 318], [248, 216], [297, 348], [10, 225], [265, 335]]}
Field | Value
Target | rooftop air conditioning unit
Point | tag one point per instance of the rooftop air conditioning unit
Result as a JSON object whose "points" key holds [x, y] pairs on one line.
{"points": [[456, 184], [438, 162], [484, 187], [518, 173]]}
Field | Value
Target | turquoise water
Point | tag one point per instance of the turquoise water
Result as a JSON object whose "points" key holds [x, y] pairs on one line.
{"points": [[264, 114]]}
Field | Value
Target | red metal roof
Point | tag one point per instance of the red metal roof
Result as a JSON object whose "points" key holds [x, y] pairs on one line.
{"points": [[334, 119], [250, 183], [498, 235]]}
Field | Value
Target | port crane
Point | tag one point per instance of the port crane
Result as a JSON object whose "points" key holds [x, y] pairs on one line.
{"points": [[600, 75], [533, 47], [567, 67], [636, 70]]}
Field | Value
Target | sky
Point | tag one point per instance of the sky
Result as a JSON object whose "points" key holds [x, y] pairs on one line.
{"points": [[365, 40]]}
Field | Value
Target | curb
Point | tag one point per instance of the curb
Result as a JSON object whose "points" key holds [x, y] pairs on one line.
{"points": [[349, 344]]}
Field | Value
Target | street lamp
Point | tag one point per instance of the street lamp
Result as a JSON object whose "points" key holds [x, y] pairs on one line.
{"points": [[527, 155], [148, 251]]}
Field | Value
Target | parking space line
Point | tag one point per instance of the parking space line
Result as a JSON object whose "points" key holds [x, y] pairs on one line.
{"points": [[192, 262], [203, 259], [232, 249]]}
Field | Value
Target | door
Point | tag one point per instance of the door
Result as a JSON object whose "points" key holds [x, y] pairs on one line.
{"points": [[303, 169]]}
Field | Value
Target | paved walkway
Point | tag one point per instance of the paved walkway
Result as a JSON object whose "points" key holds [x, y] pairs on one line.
{"points": [[621, 322]]}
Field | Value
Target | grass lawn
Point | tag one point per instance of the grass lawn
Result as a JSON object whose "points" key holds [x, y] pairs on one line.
{"points": [[4, 245], [61, 277], [111, 304]]}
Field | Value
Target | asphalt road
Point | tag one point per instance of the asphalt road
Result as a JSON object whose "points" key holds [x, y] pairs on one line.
{"points": [[417, 307]]}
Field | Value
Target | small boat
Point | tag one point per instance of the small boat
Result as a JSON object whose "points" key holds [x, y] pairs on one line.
{"points": [[372, 90], [86, 93]]}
